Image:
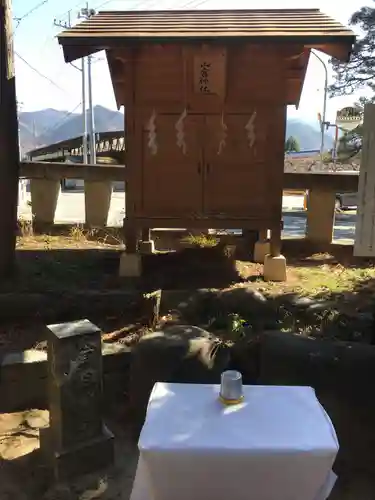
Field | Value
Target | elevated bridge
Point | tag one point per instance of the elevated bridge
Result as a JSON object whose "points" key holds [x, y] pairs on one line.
{"points": [[109, 145]]}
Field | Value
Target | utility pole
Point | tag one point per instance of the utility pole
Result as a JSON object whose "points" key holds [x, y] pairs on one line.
{"points": [[9, 145], [86, 13], [19, 109], [68, 24], [92, 114], [325, 98], [84, 111]]}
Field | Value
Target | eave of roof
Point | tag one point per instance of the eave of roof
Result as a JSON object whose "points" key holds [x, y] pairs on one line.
{"points": [[107, 30]]}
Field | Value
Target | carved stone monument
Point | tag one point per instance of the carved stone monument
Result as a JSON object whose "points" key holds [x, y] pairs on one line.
{"points": [[77, 441]]}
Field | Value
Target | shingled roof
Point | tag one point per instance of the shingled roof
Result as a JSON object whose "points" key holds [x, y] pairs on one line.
{"points": [[106, 30]]}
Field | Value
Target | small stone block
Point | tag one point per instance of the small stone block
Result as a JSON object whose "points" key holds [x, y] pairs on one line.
{"points": [[91, 456], [274, 268], [147, 247], [74, 368], [261, 249], [130, 265], [73, 329]]}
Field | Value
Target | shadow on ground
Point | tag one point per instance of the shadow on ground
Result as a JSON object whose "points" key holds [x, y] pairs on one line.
{"points": [[98, 268], [28, 477], [59, 269], [190, 268]]}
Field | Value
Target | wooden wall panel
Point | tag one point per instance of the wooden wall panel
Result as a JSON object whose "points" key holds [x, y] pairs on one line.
{"points": [[254, 75], [236, 179], [159, 76], [172, 168]]}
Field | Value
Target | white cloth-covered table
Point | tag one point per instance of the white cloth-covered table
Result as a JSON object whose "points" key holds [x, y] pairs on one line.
{"points": [[279, 444]]}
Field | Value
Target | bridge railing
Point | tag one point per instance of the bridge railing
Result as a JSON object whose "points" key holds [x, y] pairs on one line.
{"points": [[45, 181]]}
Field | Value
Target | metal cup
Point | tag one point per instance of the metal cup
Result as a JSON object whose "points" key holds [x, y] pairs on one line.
{"points": [[231, 391]]}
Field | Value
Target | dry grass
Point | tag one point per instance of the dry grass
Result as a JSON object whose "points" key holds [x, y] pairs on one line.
{"points": [[201, 240], [77, 237], [319, 276]]}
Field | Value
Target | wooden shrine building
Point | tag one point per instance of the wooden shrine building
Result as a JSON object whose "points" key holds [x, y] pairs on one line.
{"points": [[205, 94]]}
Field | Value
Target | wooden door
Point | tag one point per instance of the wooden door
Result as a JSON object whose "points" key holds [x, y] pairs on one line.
{"points": [[235, 182], [172, 183]]}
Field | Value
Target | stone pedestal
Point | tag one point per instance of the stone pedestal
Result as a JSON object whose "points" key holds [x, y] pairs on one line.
{"points": [[76, 442], [44, 197], [97, 202], [320, 216], [274, 268]]}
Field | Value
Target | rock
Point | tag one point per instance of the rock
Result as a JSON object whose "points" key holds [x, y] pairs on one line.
{"points": [[322, 305], [200, 307], [343, 368], [36, 419], [206, 305], [343, 376], [245, 357], [250, 304], [180, 353], [356, 327], [302, 302], [9, 422]]}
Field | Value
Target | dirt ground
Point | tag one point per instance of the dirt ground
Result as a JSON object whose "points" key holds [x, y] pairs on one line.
{"points": [[24, 474]]}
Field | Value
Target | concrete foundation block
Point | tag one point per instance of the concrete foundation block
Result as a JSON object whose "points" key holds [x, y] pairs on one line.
{"points": [[44, 197], [320, 216], [261, 249], [146, 247], [97, 202], [130, 265], [274, 268]]}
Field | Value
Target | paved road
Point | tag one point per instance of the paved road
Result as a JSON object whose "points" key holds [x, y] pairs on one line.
{"points": [[71, 208]]}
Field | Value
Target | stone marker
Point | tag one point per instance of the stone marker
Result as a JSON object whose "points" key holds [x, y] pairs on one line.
{"points": [[76, 441]]}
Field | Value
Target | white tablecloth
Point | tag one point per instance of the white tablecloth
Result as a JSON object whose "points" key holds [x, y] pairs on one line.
{"points": [[279, 444]]}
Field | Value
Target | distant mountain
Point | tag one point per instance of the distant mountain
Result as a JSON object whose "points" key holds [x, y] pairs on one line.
{"points": [[47, 126], [308, 136], [106, 120]]}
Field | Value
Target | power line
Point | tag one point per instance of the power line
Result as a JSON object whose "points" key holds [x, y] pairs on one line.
{"points": [[39, 73], [61, 121], [29, 12], [135, 7], [67, 12], [149, 3], [190, 4]]}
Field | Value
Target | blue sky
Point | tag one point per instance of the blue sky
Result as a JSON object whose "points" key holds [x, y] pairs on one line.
{"points": [[60, 87]]}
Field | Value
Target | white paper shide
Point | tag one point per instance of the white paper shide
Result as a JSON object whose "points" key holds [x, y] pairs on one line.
{"points": [[223, 135], [250, 129], [152, 138], [180, 129]]}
